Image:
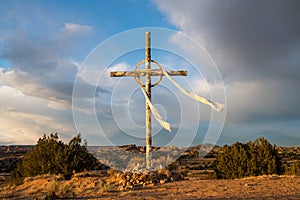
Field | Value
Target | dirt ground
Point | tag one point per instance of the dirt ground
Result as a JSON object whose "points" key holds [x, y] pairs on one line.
{"points": [[263, 187], [251, 188]]}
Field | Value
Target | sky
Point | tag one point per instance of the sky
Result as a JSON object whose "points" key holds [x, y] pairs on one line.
{"points": [[55, 59]]}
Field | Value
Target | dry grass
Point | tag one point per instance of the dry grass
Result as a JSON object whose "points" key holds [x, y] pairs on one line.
{"points": [[88, 185], [84, 184]]}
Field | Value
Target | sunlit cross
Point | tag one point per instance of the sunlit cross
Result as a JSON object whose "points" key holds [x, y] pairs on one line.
{"points": [[147, 72]]}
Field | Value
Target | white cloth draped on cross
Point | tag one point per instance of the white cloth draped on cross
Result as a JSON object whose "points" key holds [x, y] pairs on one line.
{"points": [[216, 106], [146, 89]]}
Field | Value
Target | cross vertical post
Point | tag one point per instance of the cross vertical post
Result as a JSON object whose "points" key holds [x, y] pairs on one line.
{"points": [[148, 92], [147, 72]]}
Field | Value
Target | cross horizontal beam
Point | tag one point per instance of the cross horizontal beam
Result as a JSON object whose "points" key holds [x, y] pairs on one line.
{"points": [[151, 72]]}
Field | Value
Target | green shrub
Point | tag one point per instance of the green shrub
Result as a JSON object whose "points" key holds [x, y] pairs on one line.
{"points": [[52, 156], [251, 159]]}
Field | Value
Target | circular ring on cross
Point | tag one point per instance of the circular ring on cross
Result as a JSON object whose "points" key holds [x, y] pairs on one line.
{"points": [[138, 78]]}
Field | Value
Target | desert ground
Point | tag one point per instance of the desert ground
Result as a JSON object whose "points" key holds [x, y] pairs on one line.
{"points": [[262, 187]]}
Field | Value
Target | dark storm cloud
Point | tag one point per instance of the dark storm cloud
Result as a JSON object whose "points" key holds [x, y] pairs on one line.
{"points": [[36, 56], [256, 45], [37, 62], [249, 39]]}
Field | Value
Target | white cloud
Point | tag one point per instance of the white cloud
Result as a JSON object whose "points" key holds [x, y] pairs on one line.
{"points": [[58, 106], [93, 75], [70, 32], [6, 90], [25, 118], [36, 90], [119, 67], [76, 28]]}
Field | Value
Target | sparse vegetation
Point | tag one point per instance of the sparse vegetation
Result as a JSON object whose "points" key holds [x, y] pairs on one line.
{"points": [[292, 169], [95, 186], [52, 156], [41, 165]]}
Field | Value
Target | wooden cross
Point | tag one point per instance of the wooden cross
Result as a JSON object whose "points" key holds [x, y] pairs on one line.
{"points": [[148, 72]]}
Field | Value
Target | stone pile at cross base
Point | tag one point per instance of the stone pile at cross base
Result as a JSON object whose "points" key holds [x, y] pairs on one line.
{"points": [[130, 181]]}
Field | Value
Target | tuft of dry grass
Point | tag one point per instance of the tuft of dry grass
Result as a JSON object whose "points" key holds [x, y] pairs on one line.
{"points": [[93, 186], [87, 183]]}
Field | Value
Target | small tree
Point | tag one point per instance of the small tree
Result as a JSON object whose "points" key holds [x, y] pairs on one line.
{"points": [[78, 157], [52, 156]]}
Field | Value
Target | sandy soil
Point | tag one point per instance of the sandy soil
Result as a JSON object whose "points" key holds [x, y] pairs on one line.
{"points": [[263, 187], [251, 188]]}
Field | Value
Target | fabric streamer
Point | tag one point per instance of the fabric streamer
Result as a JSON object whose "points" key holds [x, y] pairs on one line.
{"points": [[155, 112], [216, 106]]}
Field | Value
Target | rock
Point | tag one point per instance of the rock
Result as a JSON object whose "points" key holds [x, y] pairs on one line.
{"points": [[155, 181], [175, 177], [249, 184], [135, 175], [128, 183], [122, 182], [130, 180], [130, 187]]}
